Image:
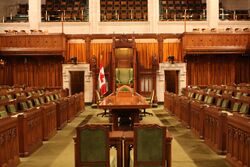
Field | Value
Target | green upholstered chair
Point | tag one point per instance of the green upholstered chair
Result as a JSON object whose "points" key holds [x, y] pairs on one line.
{"points": [[150, 101], [98, 101], [36, 102], [23, 105], [3, 112], [124, 76], [11, 108], [41, 99], [244, 109], [149, 146], [92, 147]]}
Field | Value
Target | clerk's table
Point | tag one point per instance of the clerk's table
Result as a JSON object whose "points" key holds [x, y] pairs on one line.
{"points": [[125, 108]]}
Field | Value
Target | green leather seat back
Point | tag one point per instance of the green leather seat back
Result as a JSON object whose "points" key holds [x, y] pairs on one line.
{"points": [[2, 97], [149, 146], [30, 104], [51, 97], [236, 106], [10, 96], [210, 100], [3, 112], [225, 103], [124, 75], [238, 94], [56, 97], [41, 99], [219, 102], [37, 102], [23, 106], [93, 146], [47, 98], [244, 109], [11, 108]]}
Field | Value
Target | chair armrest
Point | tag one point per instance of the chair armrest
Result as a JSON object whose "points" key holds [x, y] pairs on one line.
{"points": [[130, 81], [117, 80]]}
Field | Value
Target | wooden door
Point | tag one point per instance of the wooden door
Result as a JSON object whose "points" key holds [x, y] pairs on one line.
{"points": [[76, 81], [171, 81]]}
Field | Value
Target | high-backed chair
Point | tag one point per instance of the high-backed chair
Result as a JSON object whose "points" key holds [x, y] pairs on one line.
{"points": [[98, 101], [149, 146], [92, 146], [124, 76], [150, 101]]}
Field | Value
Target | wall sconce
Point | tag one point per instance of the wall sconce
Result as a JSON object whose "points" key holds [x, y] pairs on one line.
{"points": [[2, 62], [73, 60], [171, 59]]}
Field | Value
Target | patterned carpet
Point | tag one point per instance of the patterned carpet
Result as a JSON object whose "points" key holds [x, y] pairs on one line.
{"points": [[195, 148]]}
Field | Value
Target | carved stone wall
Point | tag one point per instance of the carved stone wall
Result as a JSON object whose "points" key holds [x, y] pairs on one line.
{"points": [[160, 78], [88, 82]]}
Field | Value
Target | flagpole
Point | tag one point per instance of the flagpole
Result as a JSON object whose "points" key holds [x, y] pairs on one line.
{"points": [[185, 21], [101, 78]]}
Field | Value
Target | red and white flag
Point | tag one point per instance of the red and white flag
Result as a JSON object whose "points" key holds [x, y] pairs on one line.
{"points": [[102, 80]]}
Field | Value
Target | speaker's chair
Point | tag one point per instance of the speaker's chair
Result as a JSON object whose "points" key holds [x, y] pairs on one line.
{"points": [[124, 76]]}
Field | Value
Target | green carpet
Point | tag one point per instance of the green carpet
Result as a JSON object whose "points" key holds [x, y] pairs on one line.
{"points": [[187, 150]]}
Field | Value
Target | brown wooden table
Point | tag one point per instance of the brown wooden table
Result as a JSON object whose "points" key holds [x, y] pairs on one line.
{"points": [[117, 138], [124, 108]]}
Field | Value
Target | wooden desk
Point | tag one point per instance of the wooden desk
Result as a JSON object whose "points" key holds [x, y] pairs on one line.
{"points": [[125, 107], [117, 138]]}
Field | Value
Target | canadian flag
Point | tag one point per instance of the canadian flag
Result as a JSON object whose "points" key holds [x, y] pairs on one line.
{"points": [[102, 81]]}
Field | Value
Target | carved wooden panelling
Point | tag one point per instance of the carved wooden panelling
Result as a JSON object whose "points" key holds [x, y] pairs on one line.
{"points": [[9, 141], [238, 148], [19, 44], [215, 43]]}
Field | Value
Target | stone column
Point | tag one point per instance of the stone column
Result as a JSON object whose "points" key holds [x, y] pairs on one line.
{"points": [[213, 13], [34, 13]]}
